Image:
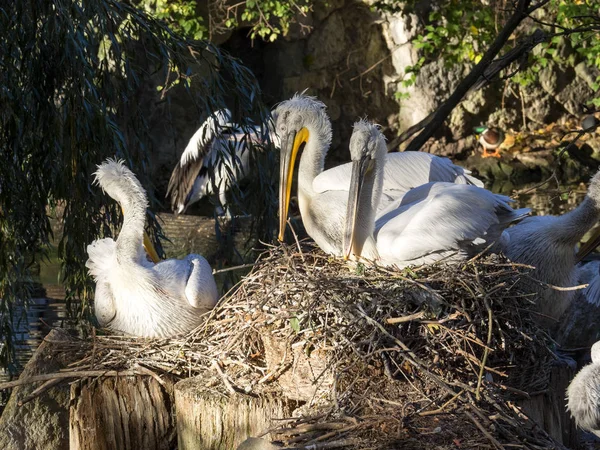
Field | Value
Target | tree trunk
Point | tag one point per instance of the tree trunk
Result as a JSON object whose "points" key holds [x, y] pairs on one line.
{"points": [[121, 413], [208, 420]]}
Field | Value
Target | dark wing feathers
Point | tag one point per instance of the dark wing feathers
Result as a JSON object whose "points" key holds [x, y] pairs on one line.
{"points": [[184, 175]]}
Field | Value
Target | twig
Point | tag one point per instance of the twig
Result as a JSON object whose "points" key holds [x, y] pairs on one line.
{"points": [[215, 365], [403, 319], [486, 433], [62, 375]]}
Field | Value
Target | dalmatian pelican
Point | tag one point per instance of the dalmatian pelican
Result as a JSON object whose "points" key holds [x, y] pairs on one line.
{"points": [[583, 395], [432, 222], [136, 296], [548, 243], [215, 158], [323, 194]]}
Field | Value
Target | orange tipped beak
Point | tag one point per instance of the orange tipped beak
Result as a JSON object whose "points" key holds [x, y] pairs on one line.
{"points": [[290, 144]]}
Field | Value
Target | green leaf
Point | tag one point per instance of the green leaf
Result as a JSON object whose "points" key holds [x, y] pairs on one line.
{"points": [[295, 324]]}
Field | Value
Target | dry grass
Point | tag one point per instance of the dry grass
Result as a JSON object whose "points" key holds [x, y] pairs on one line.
{"points": [[431, 358]]}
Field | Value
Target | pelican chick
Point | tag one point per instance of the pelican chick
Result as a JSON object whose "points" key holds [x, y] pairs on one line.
{"points": [[208, 165], [302, 122], [134, 295], [583, 395], [548, 243], [432, 222]]}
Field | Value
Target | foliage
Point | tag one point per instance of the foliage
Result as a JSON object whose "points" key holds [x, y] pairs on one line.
{"points": [[267, 19], [460, 32], [67, 107]]}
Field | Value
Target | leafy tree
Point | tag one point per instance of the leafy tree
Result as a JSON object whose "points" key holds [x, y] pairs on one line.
{"points": [[73, 77], [461, 31], [267, 19]]}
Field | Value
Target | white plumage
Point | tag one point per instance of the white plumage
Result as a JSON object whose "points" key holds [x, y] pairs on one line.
{"points": [[134, 295], [323, 195], [215, 158], [583, 395], [432, 222]]}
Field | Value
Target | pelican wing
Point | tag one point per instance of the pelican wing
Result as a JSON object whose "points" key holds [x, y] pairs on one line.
{"points": [[437, 217], [402, 171], [184, 175]]}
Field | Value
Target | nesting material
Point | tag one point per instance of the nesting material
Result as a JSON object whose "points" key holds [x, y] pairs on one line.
{"points": [[429, 358]]}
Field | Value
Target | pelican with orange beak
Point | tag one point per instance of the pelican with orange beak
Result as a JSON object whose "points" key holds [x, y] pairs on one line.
{"points": [[302, 124]]}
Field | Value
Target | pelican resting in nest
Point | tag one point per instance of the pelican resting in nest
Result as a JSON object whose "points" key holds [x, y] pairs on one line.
{"points": [[432, 222], [583, 395], [548, 243], [302, 122], [215, 158], [134, 295]]}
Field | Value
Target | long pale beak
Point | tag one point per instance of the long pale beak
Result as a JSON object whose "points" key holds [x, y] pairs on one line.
{"points": [[290, 144], [359, 169], [149, 247], [589, 246]]}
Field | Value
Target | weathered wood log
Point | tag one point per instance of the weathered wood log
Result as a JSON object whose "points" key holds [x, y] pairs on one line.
{"points": [[208, 420], [43, 421], [121, 413], [549, 411], [302, 375]]}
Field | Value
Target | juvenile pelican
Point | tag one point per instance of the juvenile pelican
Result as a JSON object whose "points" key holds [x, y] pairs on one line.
{"points": [[136, 296], [207, 165], [323, 195], [583, 395], [548, 244], [429, 223]]}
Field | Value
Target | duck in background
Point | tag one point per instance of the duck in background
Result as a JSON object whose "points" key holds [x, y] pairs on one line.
{"points": [[490, 139]]}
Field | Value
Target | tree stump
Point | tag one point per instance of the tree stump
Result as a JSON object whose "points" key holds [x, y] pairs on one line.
{"points": [[208, 420], [121, 413], [42, 422]]}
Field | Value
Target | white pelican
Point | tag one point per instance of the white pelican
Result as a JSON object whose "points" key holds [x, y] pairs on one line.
{"points": [[432, 222], [322, 195], [136, 296], [583, 395], [548, 243], [207, 165]]}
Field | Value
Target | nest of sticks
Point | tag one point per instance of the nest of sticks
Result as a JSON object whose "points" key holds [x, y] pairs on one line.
{"points": [[426, 358]]}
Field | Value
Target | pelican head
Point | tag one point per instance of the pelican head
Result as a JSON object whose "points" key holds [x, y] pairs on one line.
{"points": [[120, 183], [115, 178], [295, 122], [367, 146]]}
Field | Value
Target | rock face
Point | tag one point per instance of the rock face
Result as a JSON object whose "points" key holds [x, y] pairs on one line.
{"points": [[42, 423], [354, 60]]}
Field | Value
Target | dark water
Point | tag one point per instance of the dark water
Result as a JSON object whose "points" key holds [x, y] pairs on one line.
{"points": [[197, 234]]}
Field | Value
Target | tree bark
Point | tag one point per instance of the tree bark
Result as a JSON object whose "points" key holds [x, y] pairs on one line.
{"points": [[121, 413], [209, 420]]}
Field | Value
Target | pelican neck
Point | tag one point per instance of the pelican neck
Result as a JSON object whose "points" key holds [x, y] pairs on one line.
{"points": [[312, 161]]}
